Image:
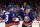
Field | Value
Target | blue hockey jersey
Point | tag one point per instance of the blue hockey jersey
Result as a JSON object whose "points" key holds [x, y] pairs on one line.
{"points": [[9, 18], [28, 18], [17, 20]]}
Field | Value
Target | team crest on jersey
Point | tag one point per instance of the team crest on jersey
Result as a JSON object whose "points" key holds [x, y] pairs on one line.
{"points": [[26, 18]]}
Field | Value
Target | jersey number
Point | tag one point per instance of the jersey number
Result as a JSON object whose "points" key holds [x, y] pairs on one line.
{"points": [[6, 18]]}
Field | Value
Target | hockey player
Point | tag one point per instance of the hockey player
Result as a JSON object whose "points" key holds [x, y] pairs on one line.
{"points": [[17, 20], [28, 17], [9, 16]]}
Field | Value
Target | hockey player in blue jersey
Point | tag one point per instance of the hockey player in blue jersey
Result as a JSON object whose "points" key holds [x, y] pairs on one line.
{"points": [[9, 16], [17, 20], [28, 17]]}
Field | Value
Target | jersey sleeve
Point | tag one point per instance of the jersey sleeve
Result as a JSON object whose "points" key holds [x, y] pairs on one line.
{"points": [[13, 17], [32, 16], [3, 17]]}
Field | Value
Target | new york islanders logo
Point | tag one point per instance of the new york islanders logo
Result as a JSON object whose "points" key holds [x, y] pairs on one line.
{"points": [[26, 18]]}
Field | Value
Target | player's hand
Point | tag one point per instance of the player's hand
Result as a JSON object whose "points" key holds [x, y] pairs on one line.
{"points": [[20, 17]]}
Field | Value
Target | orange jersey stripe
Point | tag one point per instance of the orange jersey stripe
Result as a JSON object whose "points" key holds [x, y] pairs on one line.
{"points": [[38, 19], [14, 18], [2, 19], [14, 23], [7, 24], [27, 23], [11, 24]]}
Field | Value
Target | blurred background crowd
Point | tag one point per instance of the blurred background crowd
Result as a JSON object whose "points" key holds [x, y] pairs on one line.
{"points": [[35, 5]]}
